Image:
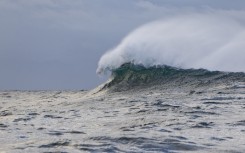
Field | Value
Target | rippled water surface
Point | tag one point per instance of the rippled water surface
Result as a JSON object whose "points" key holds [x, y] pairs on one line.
{"points": [[208, 120]]}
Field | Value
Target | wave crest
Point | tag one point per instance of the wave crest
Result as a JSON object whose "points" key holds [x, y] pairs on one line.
{"points": [[209, 41]]}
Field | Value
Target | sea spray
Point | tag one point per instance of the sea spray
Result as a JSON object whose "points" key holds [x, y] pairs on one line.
{"points": [[209, 41]]}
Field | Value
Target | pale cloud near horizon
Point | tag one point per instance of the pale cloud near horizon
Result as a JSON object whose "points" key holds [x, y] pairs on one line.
{"points": [[56, 44]]}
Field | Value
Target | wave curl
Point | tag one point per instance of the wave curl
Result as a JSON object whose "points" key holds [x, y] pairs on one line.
{"points": [[130, 76]]}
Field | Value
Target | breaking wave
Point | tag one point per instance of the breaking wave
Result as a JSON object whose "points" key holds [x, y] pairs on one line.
{"points": [[131, 76], [209, 41]]}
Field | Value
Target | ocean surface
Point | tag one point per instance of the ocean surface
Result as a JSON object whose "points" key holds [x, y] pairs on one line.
{"points": [[158, 109]]}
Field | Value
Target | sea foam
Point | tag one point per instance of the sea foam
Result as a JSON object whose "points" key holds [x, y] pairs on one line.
{"points": [[209, 41]]}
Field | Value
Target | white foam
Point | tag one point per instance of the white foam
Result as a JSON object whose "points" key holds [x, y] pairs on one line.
{"points": [[210, 41]]}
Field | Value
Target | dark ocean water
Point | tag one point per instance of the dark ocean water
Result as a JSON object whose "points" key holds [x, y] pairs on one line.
{"points": [[140, 110]]}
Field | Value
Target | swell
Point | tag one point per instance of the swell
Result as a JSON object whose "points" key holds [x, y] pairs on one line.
{"points": [[130, 76]]}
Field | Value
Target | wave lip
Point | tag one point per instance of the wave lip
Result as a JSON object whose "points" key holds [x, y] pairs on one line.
{"points": [[130, 76]]}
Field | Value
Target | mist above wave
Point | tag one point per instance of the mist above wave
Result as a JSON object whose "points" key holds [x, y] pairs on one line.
{"points": [[209, 41]]}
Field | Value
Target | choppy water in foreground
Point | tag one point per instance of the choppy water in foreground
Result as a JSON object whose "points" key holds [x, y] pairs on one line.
{"points": [[157, 109], [149, 121]]}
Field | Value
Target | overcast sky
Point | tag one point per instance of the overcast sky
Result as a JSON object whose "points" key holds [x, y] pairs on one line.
{"points": [[56, 44]]}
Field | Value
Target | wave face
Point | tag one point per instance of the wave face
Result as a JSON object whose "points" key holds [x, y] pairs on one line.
{"points": [[130, 76], [210, 41]]}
